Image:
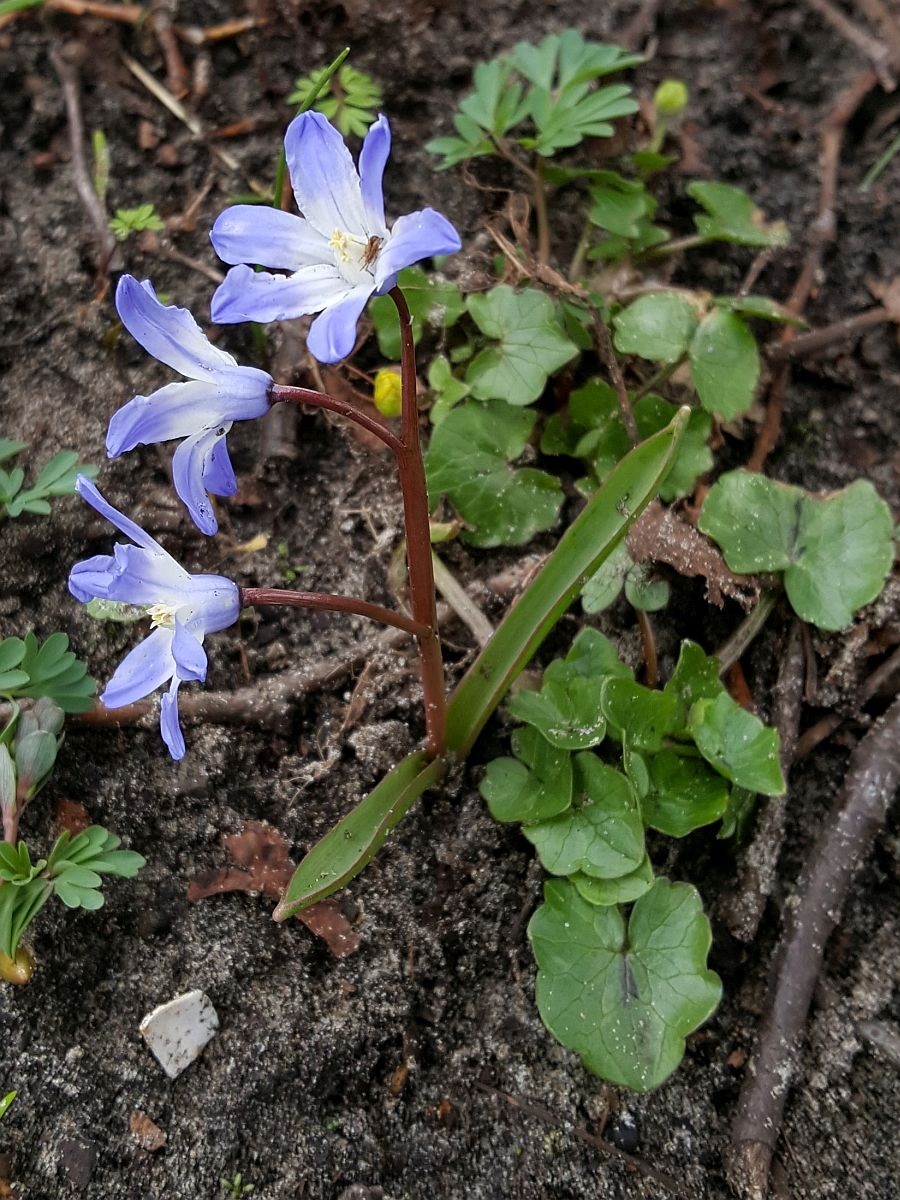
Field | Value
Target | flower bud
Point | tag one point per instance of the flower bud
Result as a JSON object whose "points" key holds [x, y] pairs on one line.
{"points": [[7, 780], [35, 756], [670, 98], [49, 715], [388, 395]]}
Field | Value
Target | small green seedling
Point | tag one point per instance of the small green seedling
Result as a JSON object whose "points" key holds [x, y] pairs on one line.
{"points": [[235, 1187], [128, 221], [352, 100], [56, 478], [6, 1102]]}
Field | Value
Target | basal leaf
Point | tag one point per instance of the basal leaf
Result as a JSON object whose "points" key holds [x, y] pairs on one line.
{"points": [[835, 550], [529, 345], [533, 786], [658, 326], [724, 364], [567, 712], [615, 891], [737, 744], [468, 460], [696, 677], [760, 307], [604, 837], [9, 448], [731, 216], [639, 712], [432, 301], [624, 997], [684, 794]]}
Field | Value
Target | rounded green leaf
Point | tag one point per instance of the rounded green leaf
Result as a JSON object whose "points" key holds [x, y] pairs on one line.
{"points": [[530, 345], [724, 364], [835, 550], [623, 890], [567, 712], [624, 998], [658, 326], [639, 712], [844, 552], [696, 677], [754, 520], [468, 460], [684, 794], [604, 837], [533, 786], [738, 745], [731, 216]]}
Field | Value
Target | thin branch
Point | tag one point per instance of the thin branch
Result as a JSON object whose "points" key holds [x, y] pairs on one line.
{"points": [[744, 908], [822, 233], [607, 353], [805, 344], [874, 50], [872, 780], [871, 687], [84, 186], [734, 649]]}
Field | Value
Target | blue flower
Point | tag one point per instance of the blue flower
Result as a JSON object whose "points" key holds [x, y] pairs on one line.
{"points": [[201, 411], [182, 607], [338, 253]]}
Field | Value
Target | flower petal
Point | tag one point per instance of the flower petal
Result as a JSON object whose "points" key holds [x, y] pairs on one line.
{"points": [[214, 604], [168, 333], [188, 474], [248, 295], [173, 411], [142, 670], [332, 335], [168, 721], [372, 158], [218, 473], [141, 577], [180, 409], [416, 236], [90, 578], [254, 233], [190, 657], [323, 176], [86, 489]]}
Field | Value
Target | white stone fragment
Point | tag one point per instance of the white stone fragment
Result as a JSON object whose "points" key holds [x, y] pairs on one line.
{"points": [[177, 1032]]}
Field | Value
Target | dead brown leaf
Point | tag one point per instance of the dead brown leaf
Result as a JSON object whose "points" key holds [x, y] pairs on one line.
{"points": [[145, 1132], [265, 867], [662, 535]]}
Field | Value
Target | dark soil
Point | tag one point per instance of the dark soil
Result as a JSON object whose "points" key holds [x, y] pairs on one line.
{"points": [[390, 1072]]}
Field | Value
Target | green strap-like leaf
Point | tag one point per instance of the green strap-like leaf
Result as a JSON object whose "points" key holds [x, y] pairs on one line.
{"points": [[353, 842], [608, 516]]}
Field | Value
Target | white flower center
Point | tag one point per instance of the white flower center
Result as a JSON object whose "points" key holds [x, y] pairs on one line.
{"points": [[162, 615], [354, 256]]}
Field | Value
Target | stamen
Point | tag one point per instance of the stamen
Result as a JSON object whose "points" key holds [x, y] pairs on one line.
{"points": [[339, 242], [161, 615]]}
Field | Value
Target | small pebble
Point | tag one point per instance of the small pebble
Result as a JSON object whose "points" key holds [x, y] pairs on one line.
{"points": [[177, 1032], [622, 1131]]}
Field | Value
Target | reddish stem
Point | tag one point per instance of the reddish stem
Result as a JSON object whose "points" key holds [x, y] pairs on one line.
{"points": [[297, 395], [418, 539], [348, 604]]}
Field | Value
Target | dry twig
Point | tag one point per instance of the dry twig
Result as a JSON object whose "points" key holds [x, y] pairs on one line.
{"points": [[743, 909], [872, 780], [822, 232], [106, 241]]}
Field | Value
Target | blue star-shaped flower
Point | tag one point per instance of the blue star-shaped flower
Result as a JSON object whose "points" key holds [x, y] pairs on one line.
{"points": [[338, 253], [201, 411], [182, 607]]}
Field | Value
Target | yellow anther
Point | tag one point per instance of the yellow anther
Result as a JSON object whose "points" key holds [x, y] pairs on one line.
{"points": [[339, 242], [161, 615]]}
